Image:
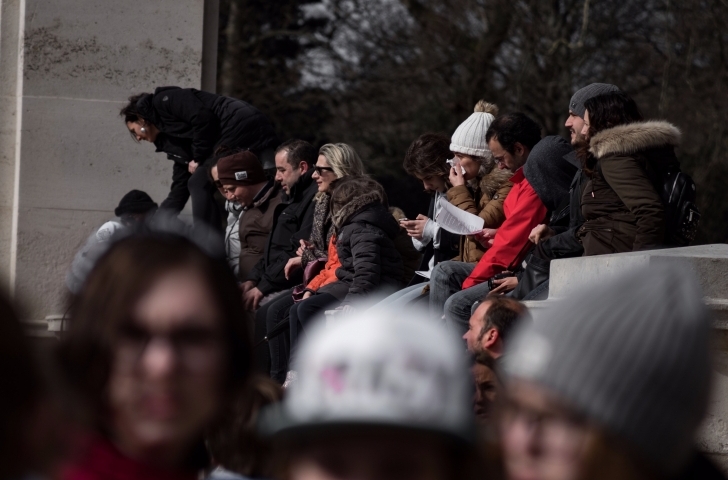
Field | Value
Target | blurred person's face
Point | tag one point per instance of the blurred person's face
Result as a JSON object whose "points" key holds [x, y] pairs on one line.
{"points": [[476, 342], [385, 456], [575, 124], [323, 174], [433, 183], [487, 387], [541, 438], [469, 164], [229, 196], [286, 174], [585, 127], [244, 195], [504, 159], [166, 379]]}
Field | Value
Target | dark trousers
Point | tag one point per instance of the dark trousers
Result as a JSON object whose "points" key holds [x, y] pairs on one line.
{"points": [[275, 312], [302, 313], [198, 186]]}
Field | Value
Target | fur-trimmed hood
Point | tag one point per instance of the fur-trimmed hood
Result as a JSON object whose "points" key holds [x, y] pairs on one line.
{"points": [[347, 211], [633, 138], [492, 181]]}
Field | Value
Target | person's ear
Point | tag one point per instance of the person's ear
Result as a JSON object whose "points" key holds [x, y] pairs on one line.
{"points": [[304, 167], [490, 338], [519, 149]]}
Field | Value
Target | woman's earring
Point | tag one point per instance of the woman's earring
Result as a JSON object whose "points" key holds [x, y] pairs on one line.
{"points": [[143, 130]]}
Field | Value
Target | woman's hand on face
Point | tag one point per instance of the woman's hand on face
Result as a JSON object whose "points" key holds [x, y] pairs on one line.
{"points": [[292, 265], [192, 166], [505, 285], [415, 228], [456, 176]]}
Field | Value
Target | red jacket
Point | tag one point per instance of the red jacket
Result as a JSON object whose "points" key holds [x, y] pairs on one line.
{"points": [[523, 210]]}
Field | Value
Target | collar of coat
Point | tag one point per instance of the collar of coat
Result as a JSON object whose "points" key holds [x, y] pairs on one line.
{"points": [[634, 137], [358, 203]]}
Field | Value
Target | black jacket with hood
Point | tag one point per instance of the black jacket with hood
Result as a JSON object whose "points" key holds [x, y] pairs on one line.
{"points": [[365, 243], [292, 222]]}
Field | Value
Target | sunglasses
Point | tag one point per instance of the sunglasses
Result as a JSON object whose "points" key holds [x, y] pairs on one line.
{"points": [[321, 170]]}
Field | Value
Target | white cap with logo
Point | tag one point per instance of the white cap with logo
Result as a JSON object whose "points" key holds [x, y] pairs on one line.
{"points": [[394, 369]]}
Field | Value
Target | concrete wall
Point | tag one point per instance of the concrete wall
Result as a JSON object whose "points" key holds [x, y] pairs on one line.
{"points": [[66, 68]]}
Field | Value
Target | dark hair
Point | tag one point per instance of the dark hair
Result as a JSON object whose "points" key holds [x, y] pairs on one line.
{"points": [[119, 279], [345, 189], [426, 156], [502, 314], [606, 111], [130, 112], [299, 151], [234, 442], [513, 128], [611, 109], [21, 393]]}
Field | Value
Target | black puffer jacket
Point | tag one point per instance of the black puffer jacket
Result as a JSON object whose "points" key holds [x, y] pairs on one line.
{"points": [[193, 123], [292, 222], [365, 245]]}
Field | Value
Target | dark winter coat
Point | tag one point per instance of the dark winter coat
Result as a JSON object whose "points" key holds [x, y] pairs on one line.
{"points": [[256, 223], [622, 210], [365, 237], [292, 222], [192, 123]]}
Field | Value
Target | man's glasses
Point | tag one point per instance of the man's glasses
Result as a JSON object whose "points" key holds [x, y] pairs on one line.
{"points": [[321, 170]]}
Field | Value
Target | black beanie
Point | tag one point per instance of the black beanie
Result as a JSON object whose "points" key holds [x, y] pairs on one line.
{"points": [[135, 201]]}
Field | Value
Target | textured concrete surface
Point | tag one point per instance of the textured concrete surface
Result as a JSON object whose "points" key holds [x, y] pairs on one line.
{"points": [[65, 155], [710, 265]]}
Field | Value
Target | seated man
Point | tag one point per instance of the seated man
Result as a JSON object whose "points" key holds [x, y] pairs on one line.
{"points": [[243, 180], [541, 177], [133, 209], [292, 222], [234, 210], [491, 323]]}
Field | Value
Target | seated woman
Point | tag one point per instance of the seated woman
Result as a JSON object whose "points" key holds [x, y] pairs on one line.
{"points": [[622, 209], [363, 240], [472, 183], [334, 161], [155, 351]]}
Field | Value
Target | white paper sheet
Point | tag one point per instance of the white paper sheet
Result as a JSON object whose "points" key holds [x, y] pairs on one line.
{"points": [[423, 273], [457, 221]]}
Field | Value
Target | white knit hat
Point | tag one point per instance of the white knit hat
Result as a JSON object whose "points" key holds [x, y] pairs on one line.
{"points": [[469, 138]]}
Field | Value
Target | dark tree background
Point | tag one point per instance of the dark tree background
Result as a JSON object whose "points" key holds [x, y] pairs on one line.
{"points": [[378, 73]]}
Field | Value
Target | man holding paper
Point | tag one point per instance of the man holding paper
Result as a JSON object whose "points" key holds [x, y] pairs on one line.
{"points": [[538, 166]]}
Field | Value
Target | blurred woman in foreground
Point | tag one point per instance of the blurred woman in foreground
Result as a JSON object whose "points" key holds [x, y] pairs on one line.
{"points": [[155, 349]]}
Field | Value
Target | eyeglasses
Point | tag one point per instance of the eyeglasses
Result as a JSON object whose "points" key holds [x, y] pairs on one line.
{"points": [[197, 348], [320, 170]]}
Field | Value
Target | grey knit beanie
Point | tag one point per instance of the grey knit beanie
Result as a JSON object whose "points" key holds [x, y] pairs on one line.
{"points": [[469, 137], [632, 355], [576, 104]]}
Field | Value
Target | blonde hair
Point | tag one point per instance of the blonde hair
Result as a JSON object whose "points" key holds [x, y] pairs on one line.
{"points": [[343, 159]]}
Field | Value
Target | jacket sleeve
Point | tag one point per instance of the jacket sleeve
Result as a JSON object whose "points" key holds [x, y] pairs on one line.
{"points": [[183, 105], [178, 192], [630, 182], [461, 197], [492, 212], [366, 252], [256, 273], [274, 278], [511, 240]]}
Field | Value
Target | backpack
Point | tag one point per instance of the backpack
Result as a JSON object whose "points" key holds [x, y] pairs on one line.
{"points": [[682, 216]]}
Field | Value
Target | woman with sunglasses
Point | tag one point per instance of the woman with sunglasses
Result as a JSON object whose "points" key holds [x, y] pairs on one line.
{"points": [[334, 161]]}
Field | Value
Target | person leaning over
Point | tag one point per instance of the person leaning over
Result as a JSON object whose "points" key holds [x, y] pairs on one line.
{"points": [[188, 125], [622, 209], [584, 401], [242, 177], [292, 222], [541, 176]]}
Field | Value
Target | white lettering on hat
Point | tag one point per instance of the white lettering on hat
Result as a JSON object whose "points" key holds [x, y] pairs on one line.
{"points": [[241, 175]]}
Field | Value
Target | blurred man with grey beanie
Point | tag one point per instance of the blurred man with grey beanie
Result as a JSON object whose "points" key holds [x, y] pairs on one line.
{"points": [[611, 383]]}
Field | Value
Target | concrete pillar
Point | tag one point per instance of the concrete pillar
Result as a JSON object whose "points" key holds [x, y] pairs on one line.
{"points": [[66, 158]]}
